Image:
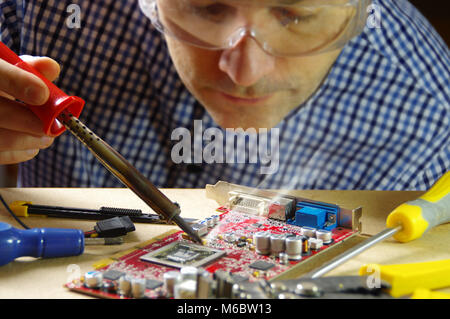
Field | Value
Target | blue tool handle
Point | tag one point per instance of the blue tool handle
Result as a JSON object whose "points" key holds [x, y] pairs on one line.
{"points": [[39, 242]]}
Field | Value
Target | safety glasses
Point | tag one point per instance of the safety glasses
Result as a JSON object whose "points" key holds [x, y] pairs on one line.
{"points": [[280, 27]]}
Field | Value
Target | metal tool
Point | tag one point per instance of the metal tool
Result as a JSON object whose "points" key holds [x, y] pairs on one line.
{"points": [[61, 112], [26, 209], [407, 222]]}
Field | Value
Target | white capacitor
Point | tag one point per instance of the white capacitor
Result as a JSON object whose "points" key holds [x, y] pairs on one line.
{"points": [[315, 243], [216, 219], [209, 222], [125, 285], [138, 287], [185, 289], [188, 273], [171, 278], [284, 259], [294, 247], [325, 235], [261, 240], [93, 279], [277, 243], [308, 231]]}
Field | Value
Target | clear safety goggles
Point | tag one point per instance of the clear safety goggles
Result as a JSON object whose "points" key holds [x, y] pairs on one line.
{"points": [[280, 27]]}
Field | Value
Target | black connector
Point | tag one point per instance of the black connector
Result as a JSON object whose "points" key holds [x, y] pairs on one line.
{"points": [[114, 227]]}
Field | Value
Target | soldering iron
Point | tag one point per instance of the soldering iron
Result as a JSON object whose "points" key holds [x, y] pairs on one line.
{"points": [[59, 113]]}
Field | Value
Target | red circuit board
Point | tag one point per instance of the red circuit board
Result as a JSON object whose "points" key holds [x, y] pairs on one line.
{"points": [[238, 259]]}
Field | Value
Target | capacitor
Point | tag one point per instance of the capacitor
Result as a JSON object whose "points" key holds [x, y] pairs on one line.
{"points": [[171, 278], [315, 243], [93, 279], [325, 235], [138, 287], [305, 247], [185, 289], [261, 240], [308, 231], [294, 247], [284, 259], [216, 219], [125, 285], [188, 273], [204, 284], [209, 222], [277, 243]]}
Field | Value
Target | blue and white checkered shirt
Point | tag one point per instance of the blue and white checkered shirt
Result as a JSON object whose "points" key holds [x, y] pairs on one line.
{"points": [[380, 120]]}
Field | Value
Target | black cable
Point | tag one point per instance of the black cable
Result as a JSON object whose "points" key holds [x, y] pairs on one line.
{"points": [[12, 213]]}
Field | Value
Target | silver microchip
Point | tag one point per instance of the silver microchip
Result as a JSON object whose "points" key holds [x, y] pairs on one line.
{"points": [[182, 254]]}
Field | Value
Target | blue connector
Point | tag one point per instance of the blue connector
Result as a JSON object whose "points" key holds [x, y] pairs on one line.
{"points": [[316, 215]]}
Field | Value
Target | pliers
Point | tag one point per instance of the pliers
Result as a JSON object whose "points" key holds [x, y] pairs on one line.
{"points": [[339, 287]]}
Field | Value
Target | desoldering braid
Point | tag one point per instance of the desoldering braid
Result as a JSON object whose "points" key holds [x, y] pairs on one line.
{"points": [[62, 111]]}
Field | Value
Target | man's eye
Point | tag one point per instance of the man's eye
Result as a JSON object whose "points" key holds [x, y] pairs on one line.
{"points": [[289, 16]]}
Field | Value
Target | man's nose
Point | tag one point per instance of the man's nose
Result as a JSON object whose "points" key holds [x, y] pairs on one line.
{"points": [[246, 62]]}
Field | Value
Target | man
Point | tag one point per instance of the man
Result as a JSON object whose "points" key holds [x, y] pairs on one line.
{"points": [[351, 101]]}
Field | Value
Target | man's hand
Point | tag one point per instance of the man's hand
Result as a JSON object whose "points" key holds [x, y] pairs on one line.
{"points": [[21, 132]]}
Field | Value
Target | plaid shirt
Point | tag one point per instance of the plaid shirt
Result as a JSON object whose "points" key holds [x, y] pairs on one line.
{"points": [[380, 120]]}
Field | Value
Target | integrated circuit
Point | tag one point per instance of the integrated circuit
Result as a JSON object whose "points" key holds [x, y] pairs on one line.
{"points": [[182, 254]]}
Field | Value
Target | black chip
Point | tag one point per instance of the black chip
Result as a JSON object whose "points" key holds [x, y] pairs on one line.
{"points": [[112, 274], [152, 284], [238, 278], [261, 265]]}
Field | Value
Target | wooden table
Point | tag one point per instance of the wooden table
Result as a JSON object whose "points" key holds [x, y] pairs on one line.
{"points": [[44, 278]]}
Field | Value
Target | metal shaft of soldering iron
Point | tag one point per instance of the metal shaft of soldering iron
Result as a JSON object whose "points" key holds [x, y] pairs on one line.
{"points": [[352, 252], [127, 173]]}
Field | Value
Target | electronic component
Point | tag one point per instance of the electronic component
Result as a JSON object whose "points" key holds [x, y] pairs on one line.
{"points": [[308, 231], [171, 278], [186, 289], [305, 247], [200, 229], [114, 227], [152, 284], [324, 235], [283, 258], [124, 285], [262, 242], [261, 265], [294, 247], [277, 243], [189, 273], [93, 279], [112, 274], [316, 215], [138, 286], [280, 208], [179, 255], [315, 243]]}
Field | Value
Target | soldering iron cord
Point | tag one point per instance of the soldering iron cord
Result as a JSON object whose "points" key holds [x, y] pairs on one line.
{"points": [[12, 213]]}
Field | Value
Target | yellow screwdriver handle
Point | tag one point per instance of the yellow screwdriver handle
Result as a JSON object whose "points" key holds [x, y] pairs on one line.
{"points": [[404, 279], [418, 216]]}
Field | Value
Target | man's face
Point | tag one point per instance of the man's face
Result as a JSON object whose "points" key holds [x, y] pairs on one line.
{"points": [[244, 86]]}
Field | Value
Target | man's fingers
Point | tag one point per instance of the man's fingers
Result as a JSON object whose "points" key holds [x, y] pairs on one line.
{"points": [[16, 117], [15, 157], [17, 141], [49, 68], [22, 85]]}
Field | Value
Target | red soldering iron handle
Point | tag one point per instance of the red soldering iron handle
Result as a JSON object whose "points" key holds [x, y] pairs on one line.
{"points": [[57, 102]]}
